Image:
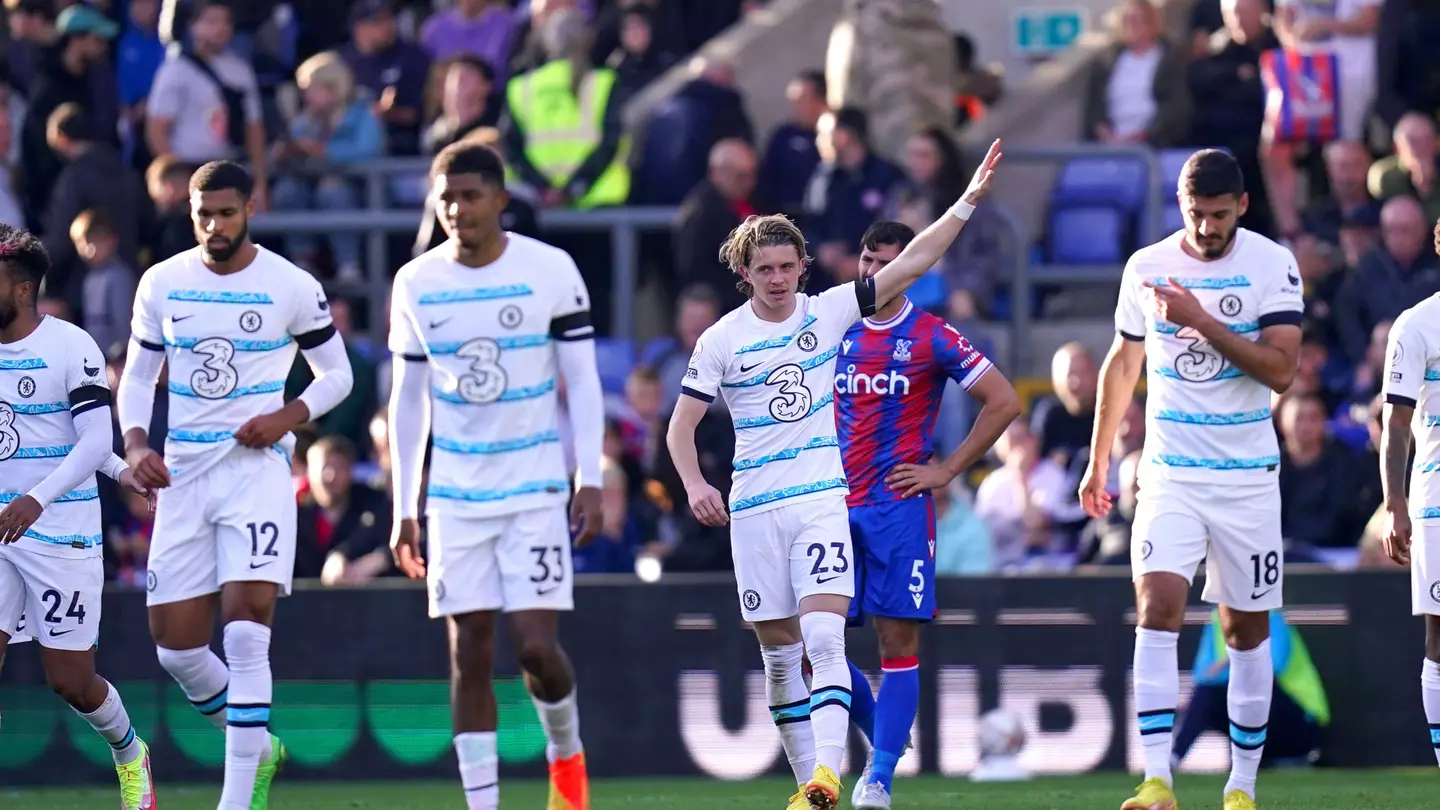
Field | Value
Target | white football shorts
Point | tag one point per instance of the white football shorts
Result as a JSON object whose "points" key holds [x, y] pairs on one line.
{"points": [[234, 522], [514, 562], [1234, 528], [1425, 567], [54, 600], [786, 554]]}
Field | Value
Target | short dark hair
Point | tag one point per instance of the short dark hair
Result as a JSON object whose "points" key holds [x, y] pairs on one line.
{"points": [[164, 166], [202, 6], [816, 79], [70, 122], [464, 157], [855, 121], [220, 175], [476, 64], [700, 293], [23, 256], [336, 444], [887, 232], [1212, 173]]}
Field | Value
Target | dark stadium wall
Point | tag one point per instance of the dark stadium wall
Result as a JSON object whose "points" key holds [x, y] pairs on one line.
{"points": [[670, 683]]}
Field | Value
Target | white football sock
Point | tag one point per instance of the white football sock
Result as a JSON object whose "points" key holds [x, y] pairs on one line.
{"points": [[204, 679], [829, 686], [789, 699], [1430, 696], [479, 769], [112, 722], [561, 721], [247, 712], [1252, 680], [1157, 691]]}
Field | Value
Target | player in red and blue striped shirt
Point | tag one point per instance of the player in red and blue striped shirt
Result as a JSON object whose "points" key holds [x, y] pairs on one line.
{"points": [[890, 376]]}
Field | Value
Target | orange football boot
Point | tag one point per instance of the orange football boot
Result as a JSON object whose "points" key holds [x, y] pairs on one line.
{"points": [[569, 784]]}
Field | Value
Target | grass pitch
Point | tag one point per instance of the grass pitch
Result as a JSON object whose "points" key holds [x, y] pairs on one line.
{"points": [[1283, 790]]}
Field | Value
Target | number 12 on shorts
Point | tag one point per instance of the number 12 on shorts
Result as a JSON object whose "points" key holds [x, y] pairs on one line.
{"points": [[262, 539], [1266, 570]]}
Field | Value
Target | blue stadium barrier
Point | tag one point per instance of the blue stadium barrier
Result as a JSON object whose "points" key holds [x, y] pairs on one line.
{"points": [[1092, 234], [1171, 162], [1099, 181], [615, 357]]}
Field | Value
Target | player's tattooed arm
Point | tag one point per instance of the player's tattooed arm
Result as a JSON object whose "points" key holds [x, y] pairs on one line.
{"points": [[930, 245], [1395, 441]]}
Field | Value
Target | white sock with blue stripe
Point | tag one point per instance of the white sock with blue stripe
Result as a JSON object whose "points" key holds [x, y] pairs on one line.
{"points": [[112, 722], [1430, 696], [824, 635], [247, 712], [1157, 691], [789, 699], [1252, 680]]}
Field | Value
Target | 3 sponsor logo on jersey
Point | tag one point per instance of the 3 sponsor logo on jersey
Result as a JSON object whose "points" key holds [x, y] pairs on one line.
{"points": [[887, 383]]}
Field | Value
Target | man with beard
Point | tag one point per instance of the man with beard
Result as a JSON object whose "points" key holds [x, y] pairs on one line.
{"points": [[227, 317], [1215, 311]]}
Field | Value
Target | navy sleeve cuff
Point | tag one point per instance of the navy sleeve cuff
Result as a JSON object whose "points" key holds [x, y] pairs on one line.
{"points": [[1397, 399], [700, 395], [1129, 336]]}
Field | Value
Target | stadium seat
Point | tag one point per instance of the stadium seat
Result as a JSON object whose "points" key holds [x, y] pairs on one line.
{"points": [[615, 357], [1101, 181], [1091, 234], [409, 189], [1171, 162]]}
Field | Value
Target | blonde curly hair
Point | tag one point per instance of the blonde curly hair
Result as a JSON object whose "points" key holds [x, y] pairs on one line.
{"points": [[756, 232]]}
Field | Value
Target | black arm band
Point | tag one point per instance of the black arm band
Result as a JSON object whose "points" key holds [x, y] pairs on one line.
{"points": [[88, 398], [1129, 336], [310, 340], [865, 295], [413, 358], [575, 326], [145, 344], [1290, 318]]}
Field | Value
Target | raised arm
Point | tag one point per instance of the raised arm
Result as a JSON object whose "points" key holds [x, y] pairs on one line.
{"points": [[930, 245]]}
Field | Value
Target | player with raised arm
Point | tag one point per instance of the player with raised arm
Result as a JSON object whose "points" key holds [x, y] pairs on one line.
{"points": [[227, 318], [55, 434], [483, 328], [773, 358], [1214, 311], [1412, 523], [891, 374]]}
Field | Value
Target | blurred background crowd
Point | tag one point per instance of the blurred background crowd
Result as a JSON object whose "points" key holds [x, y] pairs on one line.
{"points": [[635, 105]]}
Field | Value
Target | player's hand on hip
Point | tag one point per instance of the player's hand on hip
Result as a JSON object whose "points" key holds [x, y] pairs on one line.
{"points": [[707, 506], [912, 479], [263, 431], [405, 548], [131, 482], [1396, 540], [147, 468], [17, 517], [587, 513], [1177, 305], [980, 183], [1094, 498]]}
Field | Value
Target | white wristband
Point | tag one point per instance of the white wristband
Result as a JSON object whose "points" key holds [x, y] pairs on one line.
{"points": [[962, 210]]}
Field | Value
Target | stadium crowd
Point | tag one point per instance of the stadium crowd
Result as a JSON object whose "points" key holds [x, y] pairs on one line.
{"points": [[101, 123]]}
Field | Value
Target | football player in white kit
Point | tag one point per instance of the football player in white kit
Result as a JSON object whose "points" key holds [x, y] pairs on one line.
{"points": [[55, 432], [227, 318], [773, 359], [484, 329], [1214, 310], [1412, 522]]}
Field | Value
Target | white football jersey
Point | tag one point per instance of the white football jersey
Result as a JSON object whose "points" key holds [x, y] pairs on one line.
{"points": [[488, 334], [229, 343], [55, 372], [1413, 378], [1204, 419], [778, 381]]}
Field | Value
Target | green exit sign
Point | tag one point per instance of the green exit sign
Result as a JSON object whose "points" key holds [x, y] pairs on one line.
{"points": [[1043, 31]]}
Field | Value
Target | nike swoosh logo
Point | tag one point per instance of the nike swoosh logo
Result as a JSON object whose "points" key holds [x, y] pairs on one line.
{"points": [[1260, 594], [543, 591], [440, 323], [1293, 279], [91, 372], [54, 633], [253, 566], [744, 369], [827, 579], [179, 318]]}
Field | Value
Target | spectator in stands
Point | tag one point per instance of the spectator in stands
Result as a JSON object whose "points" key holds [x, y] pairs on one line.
{"points": [[350, 417], [138, 56], [1369, 373], [1106, 541], [1346, 166], [32, 32], [1393, 277], [93, 177], [684, 544], [343, 526], [1062, 422], [684, 128], [613, 550], [846, 194], [392, 71], [1230, 98], [963, 546], [334, 130], [1414, 169], [76, 71], [167, 181], [205, 103], [127, 541], [1322, 268], [1409, 63], [1317, 479], [380, 478], [977, 86], [1137, 91], [640, 422], [717, 205], [791, 158], [108, 282], [528, 47], [14, 104], [696, 309], [481, 28], [978, 258], [554, 145], [1023, 500], [665, 25], [466, 86], [637, 58], [11, 212]]}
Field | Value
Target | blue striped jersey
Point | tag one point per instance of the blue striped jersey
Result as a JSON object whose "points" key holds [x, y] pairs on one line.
{"points": [[1412, 377], [52, 373], [778, 381], [489, 335], [229, 343], [1204, 419]]}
